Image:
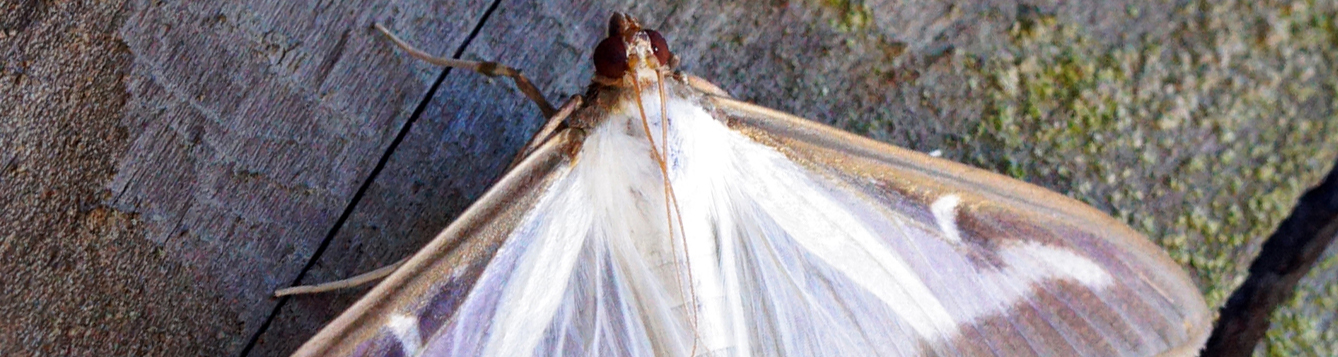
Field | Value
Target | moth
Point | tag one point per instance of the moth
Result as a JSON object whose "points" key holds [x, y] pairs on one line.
{"points": [[657, 216]]}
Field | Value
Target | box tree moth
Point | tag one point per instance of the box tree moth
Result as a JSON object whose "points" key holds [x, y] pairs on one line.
{"points": [[657, 216]]}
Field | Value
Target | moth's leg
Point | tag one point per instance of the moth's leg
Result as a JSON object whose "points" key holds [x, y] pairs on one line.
{"points": [[360, 279], [546, 132], [487, 68]]}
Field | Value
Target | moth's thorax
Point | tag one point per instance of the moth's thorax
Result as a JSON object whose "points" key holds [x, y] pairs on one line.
{"points": [[645, 76], [630, 110], [627, 103]]}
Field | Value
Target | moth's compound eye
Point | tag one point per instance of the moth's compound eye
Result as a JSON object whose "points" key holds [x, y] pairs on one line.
{"points": [[611, 57], [660, 46]]}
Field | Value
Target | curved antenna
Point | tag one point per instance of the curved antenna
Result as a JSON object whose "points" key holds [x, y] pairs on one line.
{"points": [[670, 201]]}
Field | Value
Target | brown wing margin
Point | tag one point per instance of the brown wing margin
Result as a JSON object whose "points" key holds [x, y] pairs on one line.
{"points": [[870, 164], [439, 275]]}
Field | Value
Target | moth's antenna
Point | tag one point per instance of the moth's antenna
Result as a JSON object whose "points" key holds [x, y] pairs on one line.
{"points": [[669, 193], [671, 200], [664, 148], [491, 69], [664, 124], [678, 211]]}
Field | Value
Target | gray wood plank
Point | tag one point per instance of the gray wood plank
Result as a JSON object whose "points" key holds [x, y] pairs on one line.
{"points": [[245, 130], [258, 123], [78, 279], [790, 56]]}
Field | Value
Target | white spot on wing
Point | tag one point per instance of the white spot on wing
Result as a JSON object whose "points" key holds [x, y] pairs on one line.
{"points": [[405, 329], [1027, 265], [1062, 262], [945, 214]]}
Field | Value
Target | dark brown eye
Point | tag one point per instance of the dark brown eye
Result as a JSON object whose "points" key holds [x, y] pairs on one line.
{"points": [[660, 46], [611, 57]]}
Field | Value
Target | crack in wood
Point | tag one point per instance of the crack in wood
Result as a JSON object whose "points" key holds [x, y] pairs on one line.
{"points": [[371, 177]]}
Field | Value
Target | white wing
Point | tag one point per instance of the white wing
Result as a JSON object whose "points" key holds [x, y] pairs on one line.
{"points": [[792, 248], [861, 260]]}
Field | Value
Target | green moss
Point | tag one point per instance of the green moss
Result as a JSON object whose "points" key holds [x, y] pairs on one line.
{"points": [[1298, 328], [1202, 142], [853, 16]]}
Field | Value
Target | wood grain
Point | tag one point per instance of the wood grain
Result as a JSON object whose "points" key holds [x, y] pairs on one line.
{"points": [[237, 133], [75, 278], [255, 124]]}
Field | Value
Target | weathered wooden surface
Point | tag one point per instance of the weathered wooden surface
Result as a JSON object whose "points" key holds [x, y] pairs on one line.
{"points": [[253, 126], [172, 163], [76, 277]]}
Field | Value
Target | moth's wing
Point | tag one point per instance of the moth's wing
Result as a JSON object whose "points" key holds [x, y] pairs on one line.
{"points": [[403, 311], [1021, 270]]}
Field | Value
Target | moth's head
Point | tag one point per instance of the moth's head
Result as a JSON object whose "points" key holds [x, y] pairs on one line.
{"points": [[631, 53]]}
